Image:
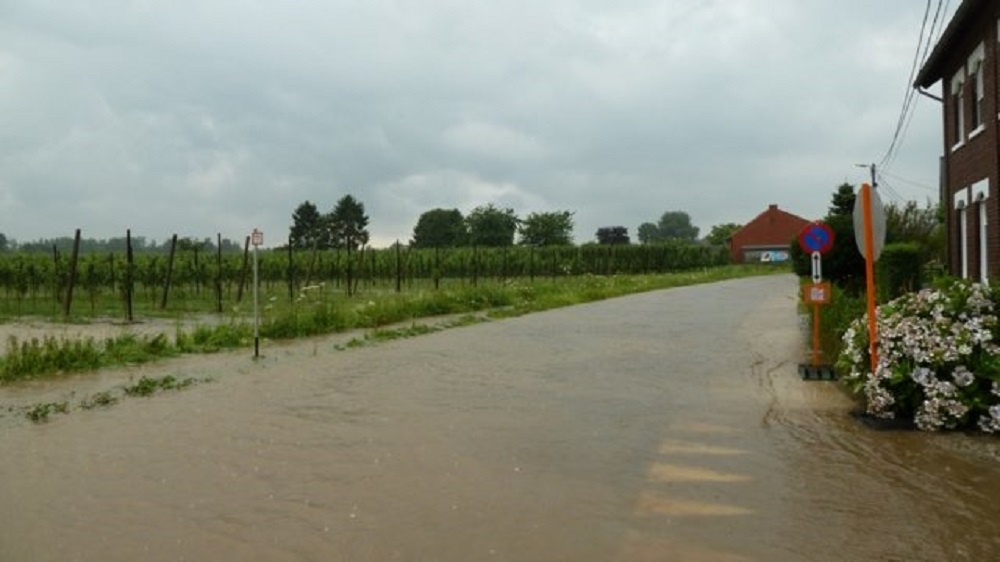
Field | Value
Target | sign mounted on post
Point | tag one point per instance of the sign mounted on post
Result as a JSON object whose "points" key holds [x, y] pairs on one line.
{"points": [[817, 267], [816, 237], [877, 212], [817, 293]]}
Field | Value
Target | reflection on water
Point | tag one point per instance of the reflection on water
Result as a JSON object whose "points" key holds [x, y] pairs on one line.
{"points": [[612, 431]]}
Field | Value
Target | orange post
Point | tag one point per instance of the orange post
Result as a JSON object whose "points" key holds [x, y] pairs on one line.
{"points": [[815, 357], [866, 202]]}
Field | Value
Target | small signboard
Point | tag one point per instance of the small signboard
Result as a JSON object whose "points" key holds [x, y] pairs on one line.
{"points": [[816, 237], [816, 293]]}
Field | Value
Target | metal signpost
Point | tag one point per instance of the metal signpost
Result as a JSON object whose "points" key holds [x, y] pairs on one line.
{"points": [[256, 238], [816, 239]]}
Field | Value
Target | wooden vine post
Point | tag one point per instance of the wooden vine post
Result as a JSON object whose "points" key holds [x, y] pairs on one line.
{"points": [[67, 305], [129, 275], [170, 272]]}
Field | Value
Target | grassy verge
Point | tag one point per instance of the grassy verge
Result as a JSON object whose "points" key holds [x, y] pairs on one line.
{"points": [[316, 312]]}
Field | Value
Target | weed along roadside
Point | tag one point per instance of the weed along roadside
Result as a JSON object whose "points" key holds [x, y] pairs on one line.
{"points": [[315, 312]]}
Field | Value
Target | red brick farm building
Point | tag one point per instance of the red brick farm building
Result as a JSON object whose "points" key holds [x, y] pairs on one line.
{"points": [[767, 237]]}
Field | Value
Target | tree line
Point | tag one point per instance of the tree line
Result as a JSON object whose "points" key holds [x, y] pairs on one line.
{"points": [[345, 226], [117, 244], [489, 225]]}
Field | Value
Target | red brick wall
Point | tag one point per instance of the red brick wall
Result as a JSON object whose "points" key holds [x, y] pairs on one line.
{"points": [[773, 227], [979, 157]]}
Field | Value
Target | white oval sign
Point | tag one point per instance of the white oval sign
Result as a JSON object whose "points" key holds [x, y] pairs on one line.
{"points": [[878, 222]]}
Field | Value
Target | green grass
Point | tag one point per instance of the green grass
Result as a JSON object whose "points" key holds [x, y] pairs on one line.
{"points": [[323, 310], [39, 413], [49, 356], [148, 386]]}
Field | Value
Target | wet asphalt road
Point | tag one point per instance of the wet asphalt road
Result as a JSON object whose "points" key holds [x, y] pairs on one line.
{"points": [[664, 426]]}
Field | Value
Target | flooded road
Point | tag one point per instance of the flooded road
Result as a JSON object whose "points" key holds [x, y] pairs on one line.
{"points": [[664, 426]]}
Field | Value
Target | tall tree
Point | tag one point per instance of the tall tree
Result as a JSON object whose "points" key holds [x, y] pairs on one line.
{"points": [[721, 233], [348, 224], [307, 230], [842, 202], [491, 226], [440, 228], [648, 233], [613, 235], [921, 225], [547, 229], [676, 225]]}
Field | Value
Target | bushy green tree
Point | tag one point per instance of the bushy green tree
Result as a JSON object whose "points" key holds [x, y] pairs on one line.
{"points": [[648, 233], [347, 224], [308, 229], [547, 229], [440, 228], [491, 226], [721, 233], [613, 235], [923, 226], [676, 225]]}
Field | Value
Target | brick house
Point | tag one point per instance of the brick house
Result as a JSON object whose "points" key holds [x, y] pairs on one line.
{"points": [[767, 237], [965, 61]]}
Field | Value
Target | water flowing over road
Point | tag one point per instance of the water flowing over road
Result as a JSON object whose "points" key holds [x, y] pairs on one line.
{"points": [[670, 425]]}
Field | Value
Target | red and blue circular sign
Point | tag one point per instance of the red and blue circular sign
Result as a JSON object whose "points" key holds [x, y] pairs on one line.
{"points": [[816, 237]]}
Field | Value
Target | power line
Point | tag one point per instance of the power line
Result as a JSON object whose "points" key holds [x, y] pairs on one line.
{"points": [[927, 38], [924, 42], [887, 189], [899, 178], [947, 5]]}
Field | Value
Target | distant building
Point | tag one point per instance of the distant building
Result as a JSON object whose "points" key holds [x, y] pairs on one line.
{"points": [[767, 238], [965, 61]]}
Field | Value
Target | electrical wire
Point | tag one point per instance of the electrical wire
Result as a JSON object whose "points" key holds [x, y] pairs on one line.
{"points": [[887, 189], [924, 41], [899, 178]]}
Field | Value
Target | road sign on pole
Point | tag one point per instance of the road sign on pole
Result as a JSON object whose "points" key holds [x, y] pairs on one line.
{"points": [[816, 237], [869, 213]]}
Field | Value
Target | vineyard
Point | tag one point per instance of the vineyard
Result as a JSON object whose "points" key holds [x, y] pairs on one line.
{"points": [[194, 280]]}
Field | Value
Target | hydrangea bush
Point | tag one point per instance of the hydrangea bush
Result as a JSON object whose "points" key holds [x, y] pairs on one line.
{"points": [[938, 359]]}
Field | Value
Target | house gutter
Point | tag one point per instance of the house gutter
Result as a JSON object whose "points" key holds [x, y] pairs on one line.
{"points": [[924, 92]]}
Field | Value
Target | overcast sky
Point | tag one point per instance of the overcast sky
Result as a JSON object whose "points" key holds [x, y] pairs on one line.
{"points": [[217, 116]]}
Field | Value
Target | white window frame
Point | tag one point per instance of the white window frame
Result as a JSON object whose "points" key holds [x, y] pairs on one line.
{"points": [[961, 202], [975, 72], [980, 194], [957, 84]]}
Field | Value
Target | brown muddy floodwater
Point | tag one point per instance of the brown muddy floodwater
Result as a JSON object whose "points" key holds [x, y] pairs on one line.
{"points": [[665, 426]]}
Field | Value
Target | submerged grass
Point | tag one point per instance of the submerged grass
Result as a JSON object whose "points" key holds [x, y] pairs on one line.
{"points": [[146, 386], [317, 311]]}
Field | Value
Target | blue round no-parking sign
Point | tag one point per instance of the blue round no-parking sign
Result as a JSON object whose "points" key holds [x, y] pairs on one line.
{"points": [[816, 237]]}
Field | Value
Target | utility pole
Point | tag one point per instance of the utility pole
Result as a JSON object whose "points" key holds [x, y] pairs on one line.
{"points": [[872, 168]]}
